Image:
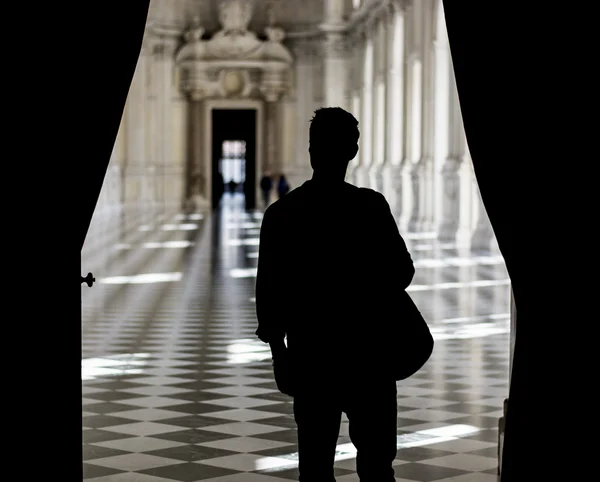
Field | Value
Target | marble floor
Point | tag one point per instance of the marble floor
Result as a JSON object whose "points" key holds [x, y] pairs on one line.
{"points": [[177, 388]]}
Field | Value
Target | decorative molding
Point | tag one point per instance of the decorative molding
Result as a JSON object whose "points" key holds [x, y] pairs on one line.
{"points": [[305, 34], [234, 16], [272, 31], [162, 31], [210, 68]]}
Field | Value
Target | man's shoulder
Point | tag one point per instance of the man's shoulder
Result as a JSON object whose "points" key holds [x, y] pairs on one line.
{"points": [[367, 191], [371, 195], [298, 197], [292, 198]]}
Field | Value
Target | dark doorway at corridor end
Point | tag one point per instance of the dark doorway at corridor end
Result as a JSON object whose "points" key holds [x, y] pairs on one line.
{"points": [[239, 125]]}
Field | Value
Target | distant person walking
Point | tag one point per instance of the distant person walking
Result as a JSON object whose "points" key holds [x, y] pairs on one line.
{"points": [[282, 186], [266, 184]]}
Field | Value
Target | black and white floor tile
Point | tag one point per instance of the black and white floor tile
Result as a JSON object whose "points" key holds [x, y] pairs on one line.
{"points": [[177, 388]]}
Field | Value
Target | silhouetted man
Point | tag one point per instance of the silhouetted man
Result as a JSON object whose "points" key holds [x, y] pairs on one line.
{"points": [[331, 262]]}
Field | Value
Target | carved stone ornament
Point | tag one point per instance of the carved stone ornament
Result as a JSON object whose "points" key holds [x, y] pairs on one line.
{"points": [[195, 32], [235, 83], [235, 16], [273, 33], [209, 66]]}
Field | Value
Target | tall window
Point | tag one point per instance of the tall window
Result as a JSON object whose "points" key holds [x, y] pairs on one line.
{"points": [[356, 4]]}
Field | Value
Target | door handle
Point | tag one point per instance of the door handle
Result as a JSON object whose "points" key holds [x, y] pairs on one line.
{"points": [[89, 279]]}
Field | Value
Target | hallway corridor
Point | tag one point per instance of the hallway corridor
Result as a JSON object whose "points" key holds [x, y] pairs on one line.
{"points": [[177, 387]]}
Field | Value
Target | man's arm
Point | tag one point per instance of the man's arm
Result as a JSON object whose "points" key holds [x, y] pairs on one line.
{"points": [[395, 247], [278, 347], [270, 329]]}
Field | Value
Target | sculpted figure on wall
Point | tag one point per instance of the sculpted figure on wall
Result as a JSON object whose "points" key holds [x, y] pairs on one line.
{"points": [[235, 16]]}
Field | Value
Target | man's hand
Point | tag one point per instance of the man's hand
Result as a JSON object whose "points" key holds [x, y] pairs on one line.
{"points": [[282, 368], [283, 375]]}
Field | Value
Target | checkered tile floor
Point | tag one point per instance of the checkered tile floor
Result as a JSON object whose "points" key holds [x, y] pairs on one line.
{"points": [[177, 388]]}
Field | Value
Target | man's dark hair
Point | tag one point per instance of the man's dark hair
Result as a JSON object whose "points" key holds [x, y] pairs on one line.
{"points": [[333, 133]]}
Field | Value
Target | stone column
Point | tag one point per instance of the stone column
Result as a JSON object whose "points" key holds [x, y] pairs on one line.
{"points": [[353, 173], [336, 70], [162, 73], [426, 219], [483, 233], [197, 179], [413, 168], [379, 105], [135, 127], [366, 121], [334, 11], [304, 53], [149, 175], [334, 54], [335, 75], [271, 134], [157, 122], [147, 181], [395, 133], [172, 175], [513, 330], [466, 193], [450, 169]]}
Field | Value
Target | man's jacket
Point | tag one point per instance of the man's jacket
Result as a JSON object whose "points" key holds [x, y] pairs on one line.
{"points": [[331, 265]]}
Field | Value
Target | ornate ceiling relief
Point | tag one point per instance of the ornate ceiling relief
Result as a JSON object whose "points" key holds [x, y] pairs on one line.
{"points": [[234, 62]]}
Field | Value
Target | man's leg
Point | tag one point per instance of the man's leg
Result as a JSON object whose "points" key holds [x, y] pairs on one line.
{"points": [[372, 414], [318, 420]]}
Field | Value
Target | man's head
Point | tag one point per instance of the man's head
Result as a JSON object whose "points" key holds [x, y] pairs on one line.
{"points": [[333, 139]]}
